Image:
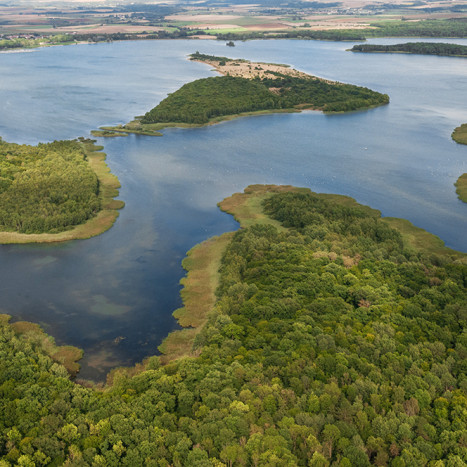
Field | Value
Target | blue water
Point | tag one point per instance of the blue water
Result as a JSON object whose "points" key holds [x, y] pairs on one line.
{"points": [[399, 159]]}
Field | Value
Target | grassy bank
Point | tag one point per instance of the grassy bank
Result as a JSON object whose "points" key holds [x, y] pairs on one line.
{"points": [[459, 135], [154, 129], [102, 221], [198, 295]]}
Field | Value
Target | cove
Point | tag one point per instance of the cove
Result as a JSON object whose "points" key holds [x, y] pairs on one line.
{"points": [[113, 295]]}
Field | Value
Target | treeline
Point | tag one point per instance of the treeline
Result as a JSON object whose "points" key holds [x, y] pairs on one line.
{"points": [[325, 35], [204, 99], [212, 58], [46, 188], [331, 344], [424, 48], [423, 28], [34, 41]]}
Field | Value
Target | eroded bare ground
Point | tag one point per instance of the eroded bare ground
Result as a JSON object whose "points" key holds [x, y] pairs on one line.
{"points": [[251, 70]]}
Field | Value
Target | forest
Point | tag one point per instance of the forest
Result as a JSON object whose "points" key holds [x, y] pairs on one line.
{"points": [[333, 341], [423, 28], [46, 188], [455, 27], [204, 99], [423, 48], [321, 35]]}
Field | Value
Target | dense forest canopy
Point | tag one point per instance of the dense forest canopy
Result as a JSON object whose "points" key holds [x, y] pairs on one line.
{"points": [[332, 343], [46, 188], [424, 48], [207, 98], [456, 27]]}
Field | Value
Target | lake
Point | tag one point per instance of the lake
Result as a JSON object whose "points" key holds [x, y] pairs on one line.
{"points": [[113, 295]]}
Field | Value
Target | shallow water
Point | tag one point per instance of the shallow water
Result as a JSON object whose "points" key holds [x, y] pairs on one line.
{"points": [[113, 295]]}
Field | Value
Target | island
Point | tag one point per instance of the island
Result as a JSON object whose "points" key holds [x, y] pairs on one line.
{"points": [[331, 336], [55, 192], [421, 48], [247, 88], [459, 135]]}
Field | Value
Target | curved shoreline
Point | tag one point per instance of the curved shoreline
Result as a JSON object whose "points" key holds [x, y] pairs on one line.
{"points": [[239, 68], [202, 264], [459, 135], [102, 221]]}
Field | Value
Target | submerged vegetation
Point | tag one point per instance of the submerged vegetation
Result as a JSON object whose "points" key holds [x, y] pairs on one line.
{"points": [[460, 136], [334, 340], [51, 188], [423, 48]]}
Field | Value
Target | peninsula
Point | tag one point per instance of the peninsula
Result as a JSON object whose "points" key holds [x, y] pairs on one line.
{"points": [[247, 88], [459, 135], [328, 323], [420, 48], [55, 192]]}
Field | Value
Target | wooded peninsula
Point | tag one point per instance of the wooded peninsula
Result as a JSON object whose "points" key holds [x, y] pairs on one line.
{"points": [[421, 48], [55, 191], [459, 135], [336, 338], [247, 88]]}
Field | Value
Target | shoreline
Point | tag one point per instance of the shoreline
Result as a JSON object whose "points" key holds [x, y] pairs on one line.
{"points": [[200, 282], [102, 221], [153, 129], [403, 52], [459, 135], [198, 295], [240, 68]]}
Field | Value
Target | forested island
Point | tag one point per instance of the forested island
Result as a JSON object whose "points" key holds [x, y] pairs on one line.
{"points": [[459, 135], [336, 338], [247, 88], [55, 191], [422, 48]]}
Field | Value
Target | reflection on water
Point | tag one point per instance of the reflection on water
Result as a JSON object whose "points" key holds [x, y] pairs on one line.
{"points": [[113, 295]]}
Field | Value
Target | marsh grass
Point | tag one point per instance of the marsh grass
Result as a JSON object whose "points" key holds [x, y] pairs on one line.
{"points": [[154, 129], [198, 295]]}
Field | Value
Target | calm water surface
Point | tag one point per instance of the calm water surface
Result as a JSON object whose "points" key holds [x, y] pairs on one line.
{"points": [[124, 284]]}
